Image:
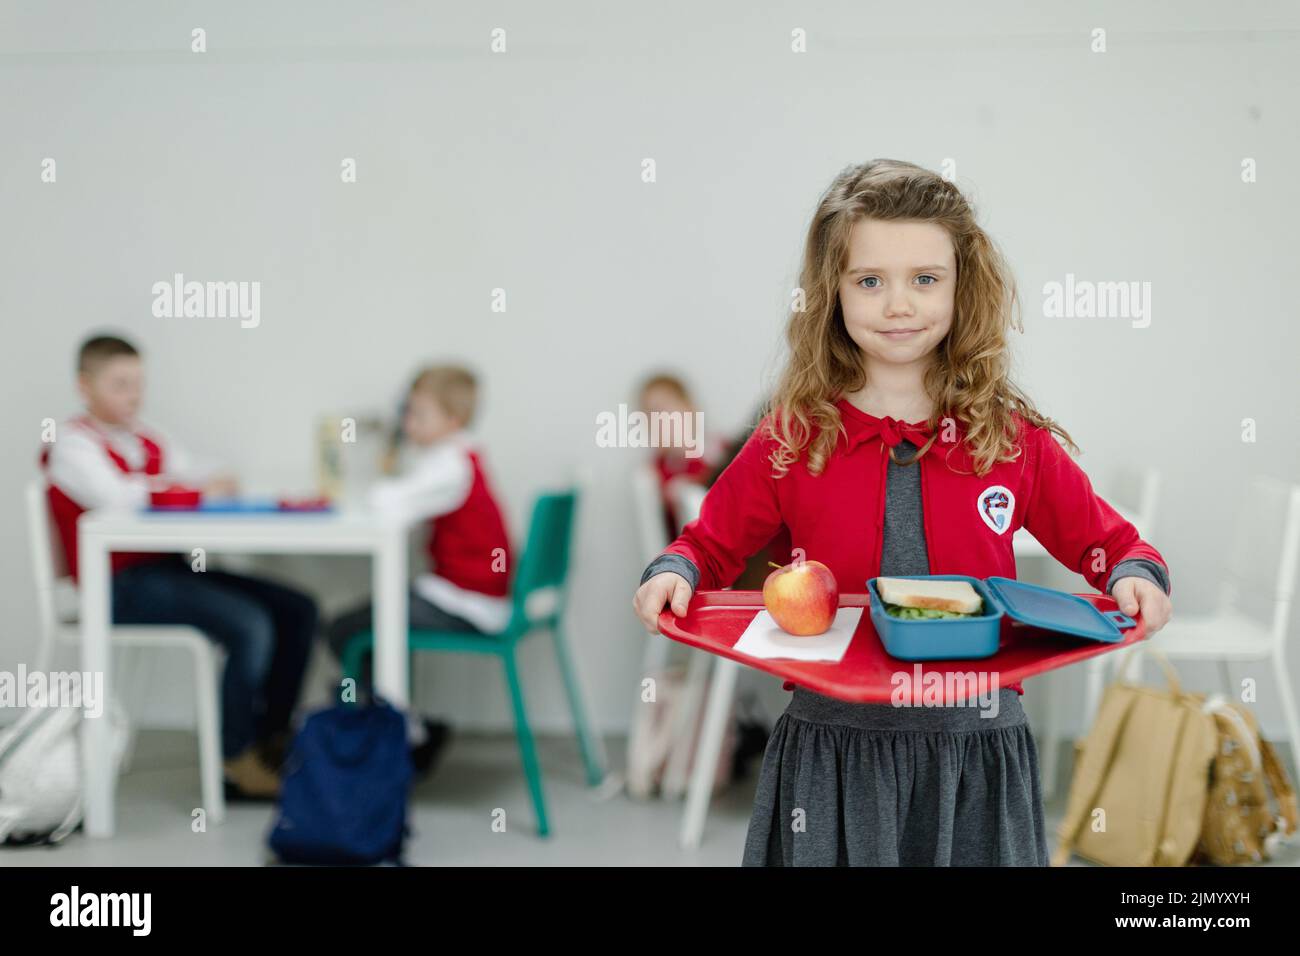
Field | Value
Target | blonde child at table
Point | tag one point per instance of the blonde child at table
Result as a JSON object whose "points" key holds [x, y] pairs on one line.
{"points": [[106, 458], [466, 584], [895, 444]]}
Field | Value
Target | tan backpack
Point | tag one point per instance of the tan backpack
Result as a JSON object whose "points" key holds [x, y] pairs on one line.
{"points": [[1148, 789], [1239, 827]]}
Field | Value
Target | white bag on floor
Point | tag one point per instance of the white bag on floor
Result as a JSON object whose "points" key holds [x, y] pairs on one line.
{"points": [[40, 772]]}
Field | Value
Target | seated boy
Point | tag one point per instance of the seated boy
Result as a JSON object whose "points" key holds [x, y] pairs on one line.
{"points": [[467, 585], [106, 459]]}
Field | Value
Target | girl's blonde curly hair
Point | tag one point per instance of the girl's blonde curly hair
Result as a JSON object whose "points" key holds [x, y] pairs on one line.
{"points": [[968, 381]]}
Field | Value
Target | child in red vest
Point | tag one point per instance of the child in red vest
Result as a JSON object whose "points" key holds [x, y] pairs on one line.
{"points": [[895, 444], [466, 586], [107, 459], [666, 394]]}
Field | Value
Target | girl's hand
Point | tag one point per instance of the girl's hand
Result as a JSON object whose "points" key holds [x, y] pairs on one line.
{"points": [[665, 587], [1139, 594]]}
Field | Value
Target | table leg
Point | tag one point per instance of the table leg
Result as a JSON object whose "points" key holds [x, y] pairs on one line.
{"points": [[721, 694], [389, 583], [96, 746]]}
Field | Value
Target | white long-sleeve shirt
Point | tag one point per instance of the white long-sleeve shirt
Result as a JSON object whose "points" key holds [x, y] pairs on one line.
{"points": [[82, 470], [437, 482]]}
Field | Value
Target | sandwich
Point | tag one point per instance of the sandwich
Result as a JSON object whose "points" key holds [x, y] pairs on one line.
{"points": [[928, 600]]}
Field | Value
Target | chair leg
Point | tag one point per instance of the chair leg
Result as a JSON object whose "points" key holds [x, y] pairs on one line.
{"points": [[1049, 742], [592, 755], [45, 652], [1225, 675], [655, 654], [128, 752], [209, 733], [127, 690], [685, 728], [1289, 710], [524, 733], [1098, 674], [353, 654]]}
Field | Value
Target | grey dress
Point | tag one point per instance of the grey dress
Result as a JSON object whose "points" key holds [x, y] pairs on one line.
{"points": [[876, 785]]}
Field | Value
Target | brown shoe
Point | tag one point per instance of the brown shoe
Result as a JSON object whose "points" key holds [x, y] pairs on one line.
{"points": [[275, 749], [249, 778]]}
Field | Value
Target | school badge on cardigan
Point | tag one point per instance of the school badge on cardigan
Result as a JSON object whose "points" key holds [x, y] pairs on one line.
{"points": [[996, 504]]}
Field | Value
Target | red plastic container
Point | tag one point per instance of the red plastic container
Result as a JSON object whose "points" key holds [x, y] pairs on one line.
{"points": [[714, 621], [176, 497]]}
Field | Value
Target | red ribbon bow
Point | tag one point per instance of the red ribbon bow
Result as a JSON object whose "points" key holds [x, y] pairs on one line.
{"points": [[891, 431]]}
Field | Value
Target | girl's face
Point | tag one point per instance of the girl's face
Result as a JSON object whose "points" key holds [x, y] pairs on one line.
{"points": [[897, 292], [426, 421], [662, 398]]}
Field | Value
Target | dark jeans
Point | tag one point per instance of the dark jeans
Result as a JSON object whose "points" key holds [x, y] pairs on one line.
{"points": [[266, 630], [424, 616]]}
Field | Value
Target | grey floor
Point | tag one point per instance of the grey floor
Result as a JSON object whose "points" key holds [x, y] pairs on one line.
{"points": [[452, 816]]}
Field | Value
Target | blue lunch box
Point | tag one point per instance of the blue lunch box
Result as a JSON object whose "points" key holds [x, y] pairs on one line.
{"points": [[939, 639], [975, 637]]}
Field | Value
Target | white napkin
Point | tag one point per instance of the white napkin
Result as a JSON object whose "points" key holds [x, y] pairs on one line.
{"points": [[764, 638]]}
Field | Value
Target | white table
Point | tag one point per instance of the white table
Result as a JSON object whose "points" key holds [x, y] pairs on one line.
{"points": [[341, 532]]}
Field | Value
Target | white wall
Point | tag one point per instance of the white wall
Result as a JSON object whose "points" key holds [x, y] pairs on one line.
{"points": [[522, 171]]}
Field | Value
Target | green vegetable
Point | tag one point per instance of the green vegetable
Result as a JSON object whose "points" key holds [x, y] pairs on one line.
{"points": [[924, 613]]}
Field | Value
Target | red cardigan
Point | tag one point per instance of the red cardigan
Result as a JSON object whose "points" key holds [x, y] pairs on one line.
{"points": [[837, 517]]}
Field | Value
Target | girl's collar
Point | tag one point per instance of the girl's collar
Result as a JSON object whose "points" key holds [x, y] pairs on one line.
{"points": [[852, 411]]}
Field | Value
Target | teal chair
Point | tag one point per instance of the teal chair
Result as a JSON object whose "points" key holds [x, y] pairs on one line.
{"points": [[537, 599]]}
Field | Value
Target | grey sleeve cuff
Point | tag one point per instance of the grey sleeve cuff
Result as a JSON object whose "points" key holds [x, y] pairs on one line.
{"points": [[1139, 568], [673, 562]]}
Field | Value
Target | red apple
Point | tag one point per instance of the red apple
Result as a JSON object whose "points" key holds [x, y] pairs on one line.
{"points": [[801, 597]]}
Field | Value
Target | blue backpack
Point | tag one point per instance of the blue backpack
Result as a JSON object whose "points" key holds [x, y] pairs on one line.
{"points": [[345, 785]]}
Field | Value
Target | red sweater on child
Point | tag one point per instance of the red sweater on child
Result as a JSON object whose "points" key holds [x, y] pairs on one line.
{"points": [[837, 517]]}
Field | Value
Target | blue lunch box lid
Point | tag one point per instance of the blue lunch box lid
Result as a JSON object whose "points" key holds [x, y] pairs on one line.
{"points": [[1055, 610]]}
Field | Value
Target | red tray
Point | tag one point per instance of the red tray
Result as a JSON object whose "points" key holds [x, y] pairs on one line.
{"points": [[715, 620]]}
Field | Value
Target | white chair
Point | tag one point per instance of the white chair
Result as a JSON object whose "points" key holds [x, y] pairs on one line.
{"points": [[653, 539], [1144, 489], [52, 578], [1251, 621], [687, 498]]}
